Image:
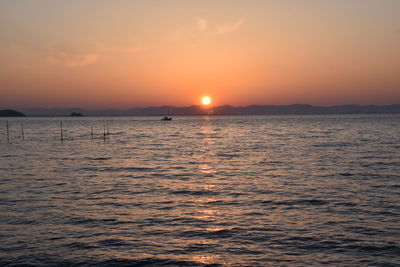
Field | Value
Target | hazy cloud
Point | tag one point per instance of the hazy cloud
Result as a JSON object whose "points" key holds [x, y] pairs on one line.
{"points": [[136, 49], [74, 60], [106, 48], [177, 35], [202, 24], [230, 27]]}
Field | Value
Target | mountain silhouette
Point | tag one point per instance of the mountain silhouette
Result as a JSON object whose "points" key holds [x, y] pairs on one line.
{"points": [[219, 110]]}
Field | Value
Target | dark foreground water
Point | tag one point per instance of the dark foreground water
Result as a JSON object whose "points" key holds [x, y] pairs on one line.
{"points": [[241, 191]]}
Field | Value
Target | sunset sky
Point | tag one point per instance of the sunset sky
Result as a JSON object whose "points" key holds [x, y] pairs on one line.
{"points": [[123, 54]]}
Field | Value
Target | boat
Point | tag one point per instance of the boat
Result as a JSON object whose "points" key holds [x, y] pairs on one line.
{"points": [[167, 118]]}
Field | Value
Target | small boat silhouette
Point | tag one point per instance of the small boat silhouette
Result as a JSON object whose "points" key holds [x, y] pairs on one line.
{"points": [[166, 118]]}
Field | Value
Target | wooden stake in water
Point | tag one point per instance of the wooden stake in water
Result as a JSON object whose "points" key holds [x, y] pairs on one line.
{"points": [[108, 133], [104, 132], [61, 132], [8, 132], [22, 130], [91, 133]]}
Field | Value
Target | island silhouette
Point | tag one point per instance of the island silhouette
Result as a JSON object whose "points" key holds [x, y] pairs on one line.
{"points": [[11, 113], [75, 114]]}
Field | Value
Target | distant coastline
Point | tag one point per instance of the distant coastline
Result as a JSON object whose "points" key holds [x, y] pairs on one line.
{"points": [[11, 113], [295, 109]]}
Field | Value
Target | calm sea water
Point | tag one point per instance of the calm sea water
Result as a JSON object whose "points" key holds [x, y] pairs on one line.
{"points": [[241, 191]]}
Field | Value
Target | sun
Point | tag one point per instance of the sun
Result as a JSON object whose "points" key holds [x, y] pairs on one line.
{"points": [[206, 100]]}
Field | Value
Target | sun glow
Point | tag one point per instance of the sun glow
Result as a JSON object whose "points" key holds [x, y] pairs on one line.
{"points": [[206, 100]]}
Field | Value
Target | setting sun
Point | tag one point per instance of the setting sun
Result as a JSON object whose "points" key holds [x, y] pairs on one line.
{"points": [[205, 100]]}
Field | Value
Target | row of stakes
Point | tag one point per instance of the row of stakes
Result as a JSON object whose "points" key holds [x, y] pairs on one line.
{"points": [[106, 132]]}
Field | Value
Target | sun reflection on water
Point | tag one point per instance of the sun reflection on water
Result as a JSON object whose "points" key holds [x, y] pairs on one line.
{"points": [[206, 259], [204, 210]]}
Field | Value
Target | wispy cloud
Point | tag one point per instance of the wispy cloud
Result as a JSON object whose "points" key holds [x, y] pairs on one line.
{"points": [[74, 60], [202, 24], [204, 29], [230, 27]]}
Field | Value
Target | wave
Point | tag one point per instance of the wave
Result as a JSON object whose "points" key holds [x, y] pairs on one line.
{"points": [[89, 262], [312, 202], [116, 169]]}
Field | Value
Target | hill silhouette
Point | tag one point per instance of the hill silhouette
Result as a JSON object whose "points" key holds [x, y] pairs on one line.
{"points": [[11, 113]]}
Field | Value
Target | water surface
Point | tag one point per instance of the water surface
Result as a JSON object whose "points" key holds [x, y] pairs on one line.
{"points": [[240, 190]]}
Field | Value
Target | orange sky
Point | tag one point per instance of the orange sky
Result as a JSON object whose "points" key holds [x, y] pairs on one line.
{"points": [[122, 54]]}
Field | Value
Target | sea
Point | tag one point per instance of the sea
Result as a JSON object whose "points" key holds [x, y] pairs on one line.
{"points": [[276, 190]]}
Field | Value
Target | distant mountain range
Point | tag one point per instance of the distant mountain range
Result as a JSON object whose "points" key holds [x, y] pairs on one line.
{"points": [[219, 110]]}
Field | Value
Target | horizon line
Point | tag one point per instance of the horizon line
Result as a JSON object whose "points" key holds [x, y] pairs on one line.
{"points": [[199, 105]]}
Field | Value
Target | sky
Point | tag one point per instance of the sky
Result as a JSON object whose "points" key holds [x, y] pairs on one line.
{"points": [[123, 54]]}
